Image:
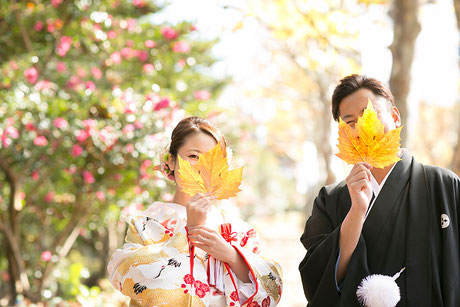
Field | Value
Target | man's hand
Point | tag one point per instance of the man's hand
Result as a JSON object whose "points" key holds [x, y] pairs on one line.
{"points": [[359, 186]]}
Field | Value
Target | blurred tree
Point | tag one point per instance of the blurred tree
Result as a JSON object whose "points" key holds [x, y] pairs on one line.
{"points": [[315, 46], [406, 28], [455, 164], [89, 92]]}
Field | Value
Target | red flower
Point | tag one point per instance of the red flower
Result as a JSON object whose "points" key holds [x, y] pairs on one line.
{"points": [[97, 73], [244, 241], [201, 288], [150, 43], [164, 103], [31, 74], [40, 141], [181, 47], [169, 33], [234, 296], [266, 302], [64, 45], [188, 279], [202, 95]]}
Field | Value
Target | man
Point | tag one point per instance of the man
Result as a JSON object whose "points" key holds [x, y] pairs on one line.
{"points": [[379, 221]]}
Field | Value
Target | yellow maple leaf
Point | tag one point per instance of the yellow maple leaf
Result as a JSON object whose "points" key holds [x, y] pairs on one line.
{"points": [[209, 175], [368, 142]]}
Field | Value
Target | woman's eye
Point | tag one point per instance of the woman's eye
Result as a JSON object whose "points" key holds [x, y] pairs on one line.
{"points": [[193, 156]]}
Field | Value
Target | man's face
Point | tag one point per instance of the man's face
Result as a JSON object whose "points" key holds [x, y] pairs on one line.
{"points": [[352, 107]]}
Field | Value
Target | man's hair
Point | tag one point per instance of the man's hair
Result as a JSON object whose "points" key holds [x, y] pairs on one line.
{"points": [[353, 83]]}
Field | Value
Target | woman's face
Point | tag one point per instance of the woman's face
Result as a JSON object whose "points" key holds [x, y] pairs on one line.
{"points": [[196, 144]]}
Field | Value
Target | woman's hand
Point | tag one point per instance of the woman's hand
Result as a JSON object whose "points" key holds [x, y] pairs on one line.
{"points": [[212, 242], [197, 208]]}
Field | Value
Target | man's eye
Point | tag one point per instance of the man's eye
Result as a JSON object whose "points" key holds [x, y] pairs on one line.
{"points": [[351, 123]]}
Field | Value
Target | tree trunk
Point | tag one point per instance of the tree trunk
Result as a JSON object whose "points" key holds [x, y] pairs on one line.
{"points": [[10, 228], [455, 164], [324, 145], [406, 29]]}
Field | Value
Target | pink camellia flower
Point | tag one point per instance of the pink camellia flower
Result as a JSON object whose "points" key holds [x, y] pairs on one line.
{"points": [[139, 3], [100, 195], [90, 86], [128, 53], [97, 73], [14, 65], [50, 25], [43, 85], [129, 43], [131, 24], [88, 177], [38, 26], [142, 55], [148, 68], [35, 175], [181, 47], [202, 95], [181, 63], [137, 189], [9, 121], [46, 256], [60, 67], [164, 103], [64, 45], [73, 82], [31, 74], [89, 123], [81, 72], [40, 141], [56, 3], [11, 132], [193, 28], [138, 124], [117, 177], [150, 43], [111, 34], [81, 135], [128, 128], [169, 33], [49, 197], [76, 150], [30, 127], [60, 123], [129, 148], [116, 57], [6, 141], [146, 164], [71, 170]]}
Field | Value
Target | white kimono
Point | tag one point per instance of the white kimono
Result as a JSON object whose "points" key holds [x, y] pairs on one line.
{"points": [[154, 267]]}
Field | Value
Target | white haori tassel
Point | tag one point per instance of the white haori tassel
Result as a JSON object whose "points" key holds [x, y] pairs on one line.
{"points": [[379, 290]]}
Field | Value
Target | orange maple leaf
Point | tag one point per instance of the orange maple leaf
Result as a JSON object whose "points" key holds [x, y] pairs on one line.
{"points": [[210, 175], [368, 142]]}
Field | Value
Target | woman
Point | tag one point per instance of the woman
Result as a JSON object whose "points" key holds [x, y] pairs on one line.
{"points": [[188, 252]]}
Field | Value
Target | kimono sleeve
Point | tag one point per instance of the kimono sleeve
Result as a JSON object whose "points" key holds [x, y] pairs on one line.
{"points": [[149, 243], [264, 273], [317, 269]]}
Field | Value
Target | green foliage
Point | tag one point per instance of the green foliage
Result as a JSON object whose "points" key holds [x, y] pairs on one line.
{"points": [[89, 92]]}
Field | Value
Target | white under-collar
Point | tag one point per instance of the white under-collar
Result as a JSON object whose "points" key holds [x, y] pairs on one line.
{"points": [[376, 187]]}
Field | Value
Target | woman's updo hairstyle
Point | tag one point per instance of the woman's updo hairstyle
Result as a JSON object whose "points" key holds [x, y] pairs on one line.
{"points": [[190, 126]]}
